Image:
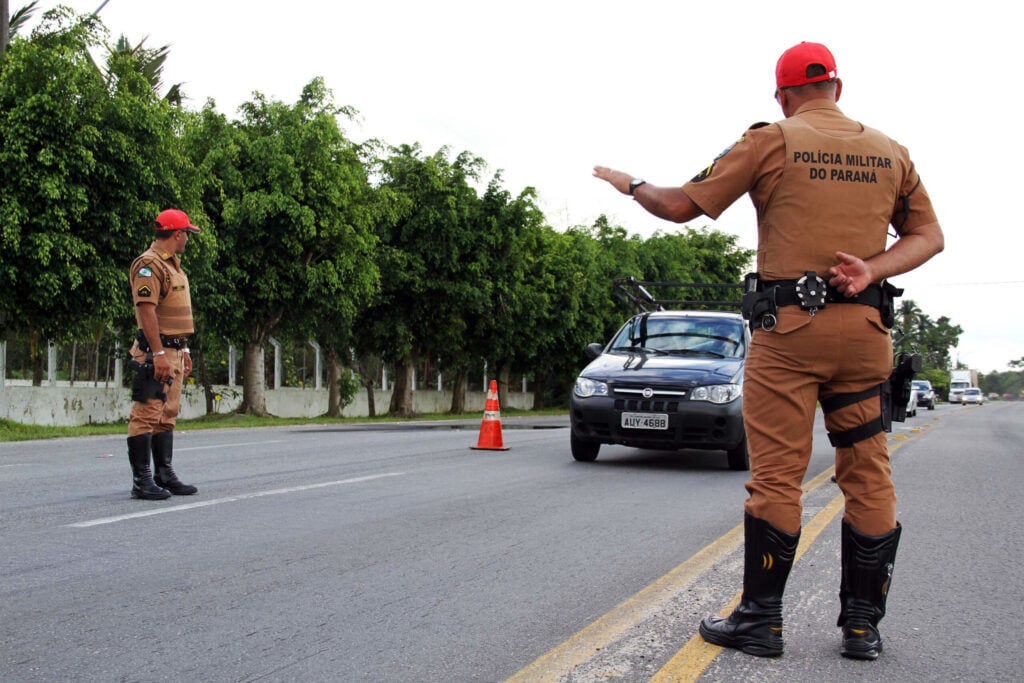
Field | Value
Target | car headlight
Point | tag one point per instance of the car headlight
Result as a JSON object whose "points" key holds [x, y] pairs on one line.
{"points": [[585, 388], [717, 393]]}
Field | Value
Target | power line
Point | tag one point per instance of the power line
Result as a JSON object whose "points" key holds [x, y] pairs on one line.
{"points": [[971, 284]]}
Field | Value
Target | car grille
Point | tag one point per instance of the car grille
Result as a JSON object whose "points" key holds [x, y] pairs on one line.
{"points": [[646, 406]]}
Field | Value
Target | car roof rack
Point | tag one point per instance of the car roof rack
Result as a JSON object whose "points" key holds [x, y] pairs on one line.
{"points": [[634, 293]]}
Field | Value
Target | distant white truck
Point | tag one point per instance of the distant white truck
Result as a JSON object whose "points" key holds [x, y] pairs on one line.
{"points": [[959, 380]]}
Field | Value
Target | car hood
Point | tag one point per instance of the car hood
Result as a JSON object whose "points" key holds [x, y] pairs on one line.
{"points": [[662, 370]]}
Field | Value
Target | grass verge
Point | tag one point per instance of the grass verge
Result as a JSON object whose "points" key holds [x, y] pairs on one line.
{"points": [[16, 431]]}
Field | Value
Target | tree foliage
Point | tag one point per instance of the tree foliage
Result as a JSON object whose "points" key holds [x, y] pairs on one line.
{"points": [[289, 198], [307, 235], [916, 332], [84, 163]]}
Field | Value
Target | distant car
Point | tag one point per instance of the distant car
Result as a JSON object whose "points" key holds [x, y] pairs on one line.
{"points": [[668, 380], [912, 403], [973, 395], [925, 393]]}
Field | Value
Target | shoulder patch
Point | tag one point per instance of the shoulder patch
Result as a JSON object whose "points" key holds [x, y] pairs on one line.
{"points": [[144, 291], [145, 272]]}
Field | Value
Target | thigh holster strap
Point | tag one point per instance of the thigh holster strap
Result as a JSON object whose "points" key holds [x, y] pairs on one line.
{"points": [[848, 438]]}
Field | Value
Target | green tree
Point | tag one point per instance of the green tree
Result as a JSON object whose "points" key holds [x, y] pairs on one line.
{"points": [[916, 332], [430, 279], [148, 63], [83, 163], [512, 231], [286, 197], [10, 24]]}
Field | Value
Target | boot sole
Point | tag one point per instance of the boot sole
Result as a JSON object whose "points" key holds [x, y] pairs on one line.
{"points": [[856, 653], [149, 496], [746, 645]]}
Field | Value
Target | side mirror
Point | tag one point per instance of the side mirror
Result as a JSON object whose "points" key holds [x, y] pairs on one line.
{"points": [[594, 350]]}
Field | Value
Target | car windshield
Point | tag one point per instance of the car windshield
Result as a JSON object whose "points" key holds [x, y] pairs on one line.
{"points": [[973, 392], [922, 385], [712, 337]]}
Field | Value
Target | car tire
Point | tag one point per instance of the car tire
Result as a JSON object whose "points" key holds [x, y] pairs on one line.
{"points": [[738, 457], [931, 406], [583, 451]]}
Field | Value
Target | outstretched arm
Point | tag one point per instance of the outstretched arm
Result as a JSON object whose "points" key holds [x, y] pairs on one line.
{"points": [[668, 203]]}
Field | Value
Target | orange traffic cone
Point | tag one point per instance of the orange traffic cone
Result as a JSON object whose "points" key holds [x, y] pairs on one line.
{"points": [[490, 428]]}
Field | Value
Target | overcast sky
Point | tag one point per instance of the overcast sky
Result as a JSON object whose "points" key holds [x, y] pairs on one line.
{"points": [[544, 90]]}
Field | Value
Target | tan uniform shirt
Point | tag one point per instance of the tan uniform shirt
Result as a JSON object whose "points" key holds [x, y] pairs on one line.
{"points": [[157, 278], [820, 183]]}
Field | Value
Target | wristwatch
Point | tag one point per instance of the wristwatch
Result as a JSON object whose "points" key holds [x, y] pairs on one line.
{"points": [[635, 183]]}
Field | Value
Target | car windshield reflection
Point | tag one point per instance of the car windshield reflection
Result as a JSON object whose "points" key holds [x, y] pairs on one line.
{"points": [[686, 337]]}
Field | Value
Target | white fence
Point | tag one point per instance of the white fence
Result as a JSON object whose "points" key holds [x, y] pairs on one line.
{"points": [[68, 406]]}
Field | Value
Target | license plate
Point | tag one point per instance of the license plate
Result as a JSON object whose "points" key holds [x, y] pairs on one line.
{"points": [[645, 421]]}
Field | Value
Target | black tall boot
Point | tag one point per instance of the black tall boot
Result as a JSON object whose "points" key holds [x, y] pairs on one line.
{"points": [[143, 485], [867, 572], [163, 473], [755, 626]]}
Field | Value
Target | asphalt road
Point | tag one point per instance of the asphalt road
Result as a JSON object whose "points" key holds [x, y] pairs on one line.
{"points": [[397, 553]]}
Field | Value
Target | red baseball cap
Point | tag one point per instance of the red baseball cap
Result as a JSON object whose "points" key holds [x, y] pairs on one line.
{"points": [[174, 219], [791, 69]]}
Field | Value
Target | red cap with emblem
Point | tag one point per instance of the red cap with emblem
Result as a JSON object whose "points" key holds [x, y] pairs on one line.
{"points": [[791, 69], [174, 219]]}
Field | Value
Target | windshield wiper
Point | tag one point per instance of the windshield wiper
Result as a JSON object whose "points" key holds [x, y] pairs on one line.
{"points": [[695, 352], [638, 349]]}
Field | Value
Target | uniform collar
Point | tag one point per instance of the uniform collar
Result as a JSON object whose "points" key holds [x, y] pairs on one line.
{"points": [[164, 255], [817, 105]]}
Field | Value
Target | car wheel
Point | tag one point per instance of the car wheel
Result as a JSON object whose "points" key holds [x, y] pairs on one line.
{"points": [[584, 451], [738, 457], [931, 406]]}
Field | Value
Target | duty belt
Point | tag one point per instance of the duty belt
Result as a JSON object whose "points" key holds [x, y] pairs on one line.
{"points": [[167, 342], [787, 294], [763, 298]]}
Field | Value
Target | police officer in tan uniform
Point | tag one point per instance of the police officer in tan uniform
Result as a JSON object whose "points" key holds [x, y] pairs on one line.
{"points": [[160, 355], [826, 189]]}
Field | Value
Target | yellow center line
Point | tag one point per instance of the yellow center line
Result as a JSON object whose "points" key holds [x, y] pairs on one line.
{"points": [[690, 662]]}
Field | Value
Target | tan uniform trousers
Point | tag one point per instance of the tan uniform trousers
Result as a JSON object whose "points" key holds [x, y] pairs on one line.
{"points": [[155, 416], [843, 348]]}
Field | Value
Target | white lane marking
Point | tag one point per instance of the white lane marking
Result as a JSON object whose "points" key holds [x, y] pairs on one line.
{"points": [[231, 499], [226, 445]]}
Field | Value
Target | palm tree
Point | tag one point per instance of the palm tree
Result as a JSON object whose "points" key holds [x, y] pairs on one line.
{"points": [[911, 320], [9, 25], [150, 63]]}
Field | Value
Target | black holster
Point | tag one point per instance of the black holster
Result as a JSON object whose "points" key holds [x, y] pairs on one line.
{"points": [[759, 308], [887, 307], [899, 386], [145, 385]]}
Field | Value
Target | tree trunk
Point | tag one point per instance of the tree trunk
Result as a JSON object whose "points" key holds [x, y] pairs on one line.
{"points": [[538, 391], [504, 373], [36, 354], [401, 399], [199, 368], [459, 383], [254, 384], [371, 400], [334, 406]]}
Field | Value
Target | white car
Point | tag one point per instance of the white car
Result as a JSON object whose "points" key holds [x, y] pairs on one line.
{"points": [[973, 395], [912, 404]]}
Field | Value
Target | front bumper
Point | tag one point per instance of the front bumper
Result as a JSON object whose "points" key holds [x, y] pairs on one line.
{"points": [[691, 424]]}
